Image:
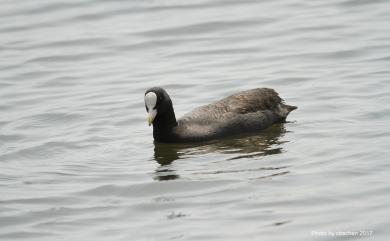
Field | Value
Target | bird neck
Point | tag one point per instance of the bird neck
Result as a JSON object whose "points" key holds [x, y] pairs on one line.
{"points": [[163, 125]]}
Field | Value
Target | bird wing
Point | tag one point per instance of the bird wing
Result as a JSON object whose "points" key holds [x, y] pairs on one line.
{"points": [[245, 102]]}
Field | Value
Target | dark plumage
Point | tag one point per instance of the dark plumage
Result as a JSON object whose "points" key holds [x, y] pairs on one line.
{"points": [[244, 112]]}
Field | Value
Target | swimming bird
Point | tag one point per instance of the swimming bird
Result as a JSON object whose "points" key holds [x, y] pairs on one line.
{"points": [[244, 112]]}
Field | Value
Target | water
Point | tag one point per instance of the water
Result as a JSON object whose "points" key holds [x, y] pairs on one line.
{"points": [[77, 159]]}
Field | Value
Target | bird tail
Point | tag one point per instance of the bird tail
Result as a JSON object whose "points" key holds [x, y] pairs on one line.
{"points": [[284, 110], [290, 108]]}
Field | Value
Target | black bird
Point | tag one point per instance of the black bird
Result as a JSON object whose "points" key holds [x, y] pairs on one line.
{"points": [[244, 112]]}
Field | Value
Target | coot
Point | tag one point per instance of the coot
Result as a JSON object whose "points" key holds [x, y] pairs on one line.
{"points": [[244, 112]]}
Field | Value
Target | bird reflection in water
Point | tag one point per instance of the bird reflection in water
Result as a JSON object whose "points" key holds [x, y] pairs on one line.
{"points": [[266, 142]]}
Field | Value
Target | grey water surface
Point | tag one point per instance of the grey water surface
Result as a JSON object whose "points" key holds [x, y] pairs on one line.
{"points": [[77, 159]]}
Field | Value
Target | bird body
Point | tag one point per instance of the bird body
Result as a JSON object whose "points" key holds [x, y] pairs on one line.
{"points": [[243, 112]]}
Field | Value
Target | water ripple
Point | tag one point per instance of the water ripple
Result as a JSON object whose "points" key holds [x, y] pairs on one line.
{"points": [[78, 159]]}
